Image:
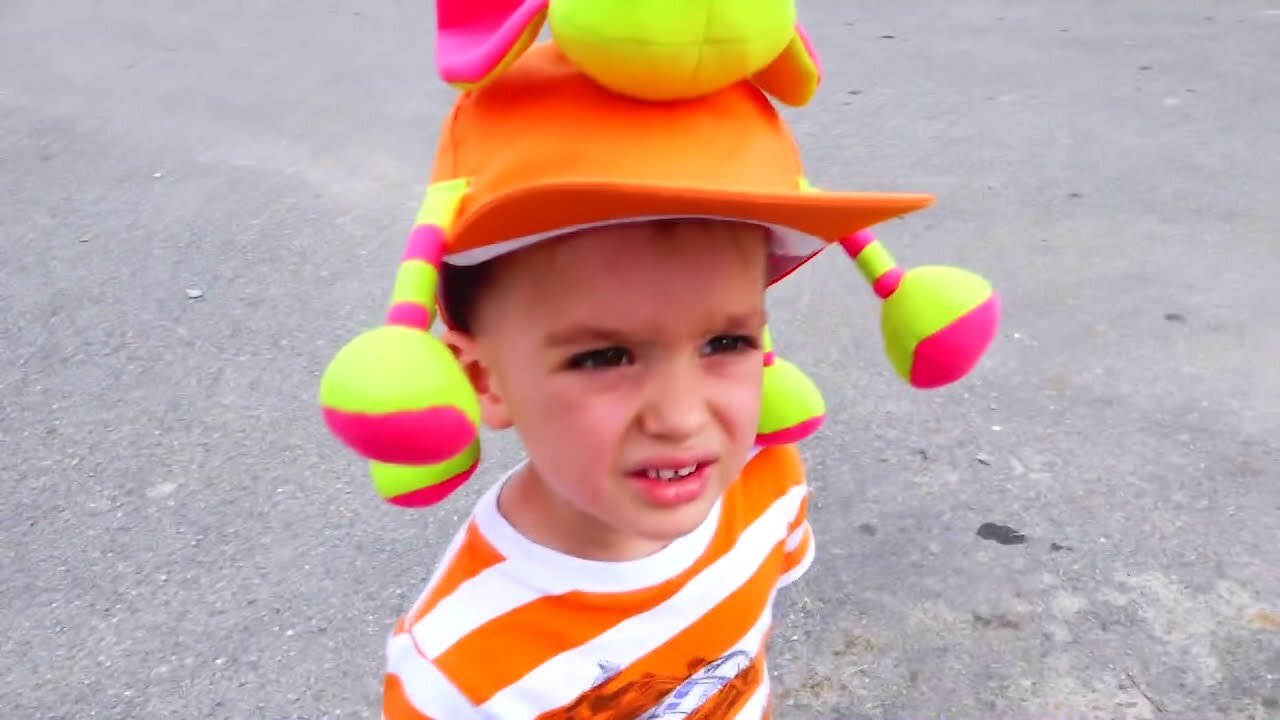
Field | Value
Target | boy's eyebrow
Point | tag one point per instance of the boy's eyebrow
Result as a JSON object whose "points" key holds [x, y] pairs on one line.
{"points": [[750, 321], [583, 335]]}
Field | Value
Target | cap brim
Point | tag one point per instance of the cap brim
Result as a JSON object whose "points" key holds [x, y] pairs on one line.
{"points": [[521, 217]]}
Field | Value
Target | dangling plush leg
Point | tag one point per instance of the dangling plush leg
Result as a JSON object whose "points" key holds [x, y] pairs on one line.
{"points": [[418, 486], [937, 321], [791, 407], [396, 394]]}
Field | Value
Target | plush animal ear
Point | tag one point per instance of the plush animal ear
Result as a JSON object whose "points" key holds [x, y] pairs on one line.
{"points": [[793, 77], [477, 39]]}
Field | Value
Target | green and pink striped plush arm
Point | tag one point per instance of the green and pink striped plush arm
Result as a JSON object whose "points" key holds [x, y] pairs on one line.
{"points": [[396, 394], [937, 321]]}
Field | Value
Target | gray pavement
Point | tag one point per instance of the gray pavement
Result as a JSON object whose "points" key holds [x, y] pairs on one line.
{"points": [[181, 539]]}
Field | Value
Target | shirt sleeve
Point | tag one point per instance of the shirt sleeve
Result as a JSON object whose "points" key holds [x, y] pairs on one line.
{"points": [[798, 550], [414, 688]]}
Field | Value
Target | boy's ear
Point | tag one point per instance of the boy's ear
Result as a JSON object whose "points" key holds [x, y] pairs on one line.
{"points": [[479, 371]]}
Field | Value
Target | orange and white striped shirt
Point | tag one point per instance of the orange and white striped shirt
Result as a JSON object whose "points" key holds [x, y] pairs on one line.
{"points": [[510, 630]]}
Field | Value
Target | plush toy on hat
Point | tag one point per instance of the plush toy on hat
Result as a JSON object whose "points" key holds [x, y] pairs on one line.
{"points": [[649, 49]]}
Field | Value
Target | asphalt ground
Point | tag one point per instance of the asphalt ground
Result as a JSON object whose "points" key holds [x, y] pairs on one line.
{"points": [[200, 202]]}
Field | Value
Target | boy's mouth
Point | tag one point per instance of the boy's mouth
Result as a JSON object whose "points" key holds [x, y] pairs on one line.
{"points": [[669, 474], [674, 482], [672, 468]]}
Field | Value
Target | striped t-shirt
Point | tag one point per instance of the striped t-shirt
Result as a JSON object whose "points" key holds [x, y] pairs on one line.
{"points": [[511, 630]]}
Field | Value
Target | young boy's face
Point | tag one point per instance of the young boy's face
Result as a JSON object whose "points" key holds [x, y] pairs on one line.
{"points": [[628, 360]]}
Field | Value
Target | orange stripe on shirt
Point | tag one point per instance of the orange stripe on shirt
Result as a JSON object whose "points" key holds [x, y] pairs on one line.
{"points": [[802, 516], [783, 466], [480, 673], [473, 556]]}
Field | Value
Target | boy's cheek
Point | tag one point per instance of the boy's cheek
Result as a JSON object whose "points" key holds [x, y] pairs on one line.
{"points": [[742, 395], [569, 411]]}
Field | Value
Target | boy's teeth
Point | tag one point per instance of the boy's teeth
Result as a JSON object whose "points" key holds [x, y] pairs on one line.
{"points": [[670, 474]]}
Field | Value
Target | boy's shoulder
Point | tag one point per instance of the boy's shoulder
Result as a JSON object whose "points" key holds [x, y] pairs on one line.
{"points": [[774, 469]]}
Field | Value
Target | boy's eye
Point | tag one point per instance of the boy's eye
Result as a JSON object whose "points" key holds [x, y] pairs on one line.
{"points": [[722, 344], [602, 358]]}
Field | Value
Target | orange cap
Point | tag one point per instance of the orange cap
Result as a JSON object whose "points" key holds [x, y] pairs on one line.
{"points": [[544, 150]]}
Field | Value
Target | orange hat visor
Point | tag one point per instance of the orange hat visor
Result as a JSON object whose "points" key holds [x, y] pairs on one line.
{"points": [[546, 150]]}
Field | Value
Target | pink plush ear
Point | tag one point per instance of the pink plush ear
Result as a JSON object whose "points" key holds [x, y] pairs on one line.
{"points": [[794, 76], [477, 39]]}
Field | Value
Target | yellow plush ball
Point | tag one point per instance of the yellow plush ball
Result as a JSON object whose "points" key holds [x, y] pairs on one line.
{"points": [[791, 406], [664, 50]]}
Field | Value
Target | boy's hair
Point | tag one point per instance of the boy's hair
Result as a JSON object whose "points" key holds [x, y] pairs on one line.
{"points": [[463, 286]]}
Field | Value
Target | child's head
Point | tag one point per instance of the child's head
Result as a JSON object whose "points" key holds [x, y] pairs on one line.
{"points": [[604, 266], [622, 356]]}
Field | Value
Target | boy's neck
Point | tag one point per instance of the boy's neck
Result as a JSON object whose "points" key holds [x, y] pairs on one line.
{"points": [[546, 519]]}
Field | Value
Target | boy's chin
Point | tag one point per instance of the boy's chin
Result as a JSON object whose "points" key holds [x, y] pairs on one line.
{"points": [[667, 526], [659, 524]]}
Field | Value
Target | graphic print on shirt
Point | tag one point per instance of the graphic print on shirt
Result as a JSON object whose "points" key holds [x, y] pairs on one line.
{"points": [[608, 671], [711, 690]]}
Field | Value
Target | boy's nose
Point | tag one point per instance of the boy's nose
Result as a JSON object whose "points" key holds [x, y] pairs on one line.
{"points": [[675, 406]]}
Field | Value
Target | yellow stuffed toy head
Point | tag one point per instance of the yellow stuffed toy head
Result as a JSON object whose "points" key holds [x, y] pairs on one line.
{"points": [[656, 50]]}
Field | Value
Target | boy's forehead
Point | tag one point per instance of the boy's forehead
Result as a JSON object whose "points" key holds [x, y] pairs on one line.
{"points": [[607, 261], [674, 246], [784, 241], [641, 258]]}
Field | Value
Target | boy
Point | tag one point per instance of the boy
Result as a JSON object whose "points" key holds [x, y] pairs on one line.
{"points": [[631, 550], [604, 270]]}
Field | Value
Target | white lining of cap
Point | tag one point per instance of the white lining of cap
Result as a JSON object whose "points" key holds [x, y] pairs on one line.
{"points": [[785, 242]]}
